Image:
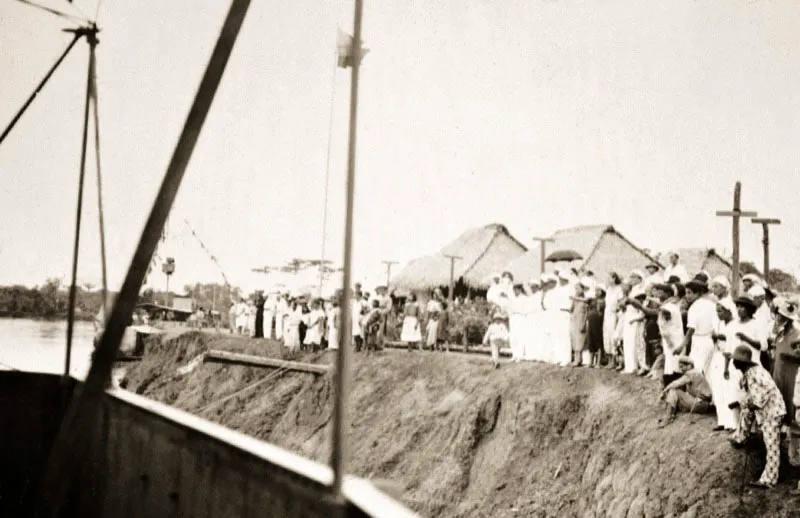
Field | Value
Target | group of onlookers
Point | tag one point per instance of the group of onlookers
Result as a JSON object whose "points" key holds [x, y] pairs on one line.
{"points": [[305, 322], [737, 357]]}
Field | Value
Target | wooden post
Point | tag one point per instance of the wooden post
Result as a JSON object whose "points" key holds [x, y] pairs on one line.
{"points": [[765, 223], [388, 272], [542, 250], [453, 259], [736, 213]]}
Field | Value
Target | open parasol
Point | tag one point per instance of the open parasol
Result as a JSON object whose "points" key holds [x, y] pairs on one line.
{"points": [[563, 255]]}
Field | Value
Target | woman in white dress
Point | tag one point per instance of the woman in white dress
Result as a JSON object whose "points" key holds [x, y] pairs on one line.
{"points": [[411, 334], [315, 323], [722, 391], [613, 296], [549, 309], [334, 324], [632, 329], [291, 331], [517, 316], [532, 350], [560, 321]]}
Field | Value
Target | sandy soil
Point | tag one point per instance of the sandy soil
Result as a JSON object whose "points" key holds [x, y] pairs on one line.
{"points": [[464, 440]]}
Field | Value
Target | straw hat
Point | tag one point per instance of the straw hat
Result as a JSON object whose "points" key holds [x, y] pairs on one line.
{"points": [[743, 354], [787, 309]]}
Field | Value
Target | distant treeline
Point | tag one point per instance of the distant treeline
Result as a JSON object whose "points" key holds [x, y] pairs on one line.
{"points": [[50, 300]]}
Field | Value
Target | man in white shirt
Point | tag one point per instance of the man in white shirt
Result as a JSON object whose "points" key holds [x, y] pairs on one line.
{"points": [[675, 269], [493, 294], [653, 277]]}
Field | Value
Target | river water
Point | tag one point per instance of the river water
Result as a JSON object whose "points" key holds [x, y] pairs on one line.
{"points": [[40, 346]]}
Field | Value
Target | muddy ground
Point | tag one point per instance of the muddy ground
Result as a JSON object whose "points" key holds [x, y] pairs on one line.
{"points": [[464, 440]]}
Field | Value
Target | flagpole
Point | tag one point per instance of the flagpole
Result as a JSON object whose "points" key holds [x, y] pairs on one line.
{"points": [[338, 450]]}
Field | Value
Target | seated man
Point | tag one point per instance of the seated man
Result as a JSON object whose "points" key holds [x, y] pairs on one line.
{"points": [[690, 393]]}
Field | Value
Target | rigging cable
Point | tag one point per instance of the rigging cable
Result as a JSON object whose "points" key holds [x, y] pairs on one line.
{"points": [[328, 173], [208, 252], [39, 87], [60, 14]]}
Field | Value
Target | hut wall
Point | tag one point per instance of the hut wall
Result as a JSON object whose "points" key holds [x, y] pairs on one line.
{"points": [[615, 254], [496, 257], [715, 266]]}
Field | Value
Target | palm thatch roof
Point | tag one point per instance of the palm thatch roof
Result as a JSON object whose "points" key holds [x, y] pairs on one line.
{"points": [[602, 248], [482, 251], [697, 259]]}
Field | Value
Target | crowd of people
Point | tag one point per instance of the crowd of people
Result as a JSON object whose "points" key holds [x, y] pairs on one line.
{"points": [[308, 323], [712, 353], [736, 357]]}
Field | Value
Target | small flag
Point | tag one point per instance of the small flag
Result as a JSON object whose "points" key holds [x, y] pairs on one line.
{"points": [[344, 44]]}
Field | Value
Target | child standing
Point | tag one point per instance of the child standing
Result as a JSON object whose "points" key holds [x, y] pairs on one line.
{"points": [[497, 336]]}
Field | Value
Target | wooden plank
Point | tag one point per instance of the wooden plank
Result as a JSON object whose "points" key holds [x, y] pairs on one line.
{"points": [[766, 221], [250, 360]]}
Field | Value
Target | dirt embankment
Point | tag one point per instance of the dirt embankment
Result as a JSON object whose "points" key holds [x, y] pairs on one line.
{"points": [[468, 441]]}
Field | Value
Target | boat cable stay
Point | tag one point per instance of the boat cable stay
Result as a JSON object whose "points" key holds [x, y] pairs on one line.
{"points": [[82, 413], [79, 434]]}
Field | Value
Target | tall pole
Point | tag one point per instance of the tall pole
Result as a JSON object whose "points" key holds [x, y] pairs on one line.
{"points": [[327, 180], [765, 223], [81, 416], [101, 217], [543, 250], [39, 87], [338, 449], [388, 272], [453, 259], [736, 213], [91, 38]]}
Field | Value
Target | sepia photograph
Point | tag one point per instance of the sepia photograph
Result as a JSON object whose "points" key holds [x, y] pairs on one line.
{"points": [[400, 259]]}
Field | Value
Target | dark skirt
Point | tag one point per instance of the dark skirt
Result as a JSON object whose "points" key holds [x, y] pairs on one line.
{"points": [[594, 331]]}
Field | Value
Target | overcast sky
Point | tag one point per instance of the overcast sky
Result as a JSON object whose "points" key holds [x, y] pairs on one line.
{"points": [[538, 114]]}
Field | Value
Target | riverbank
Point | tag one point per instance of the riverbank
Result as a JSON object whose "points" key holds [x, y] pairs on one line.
{"points": [[464, 440]]}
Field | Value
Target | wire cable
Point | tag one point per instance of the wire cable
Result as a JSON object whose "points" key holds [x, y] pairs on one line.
{"points": [[60, 14]]}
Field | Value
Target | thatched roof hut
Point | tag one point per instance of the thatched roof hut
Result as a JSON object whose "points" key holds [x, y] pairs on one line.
{"points": [[483, 251], [699, 259], [602, 248]]}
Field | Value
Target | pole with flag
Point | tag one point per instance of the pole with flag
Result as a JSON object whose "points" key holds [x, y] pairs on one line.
{"points": [[348, 48]]}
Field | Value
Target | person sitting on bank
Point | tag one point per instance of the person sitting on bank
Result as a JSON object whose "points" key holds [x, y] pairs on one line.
{"points": [[690, 393], [762, 403]]}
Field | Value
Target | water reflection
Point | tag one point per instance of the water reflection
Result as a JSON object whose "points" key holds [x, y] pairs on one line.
{"points": [[40, 346]]}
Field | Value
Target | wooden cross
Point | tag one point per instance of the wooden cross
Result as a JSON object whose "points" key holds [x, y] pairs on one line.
{"points": [[765, 223], [542, 244], [453, 259], [388, 272], [736, 213]]}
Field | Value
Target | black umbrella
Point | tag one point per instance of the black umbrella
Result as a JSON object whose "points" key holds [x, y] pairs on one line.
{"points": [[563, 255]]}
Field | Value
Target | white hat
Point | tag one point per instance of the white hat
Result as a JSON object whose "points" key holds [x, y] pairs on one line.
{"points": [[755, 279], [587, 282], [544, 277], [722, 281], [601, 286], [637, 291], [727, 303], [565, 275], [637, 273], [535, 282], [756, 291]]}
